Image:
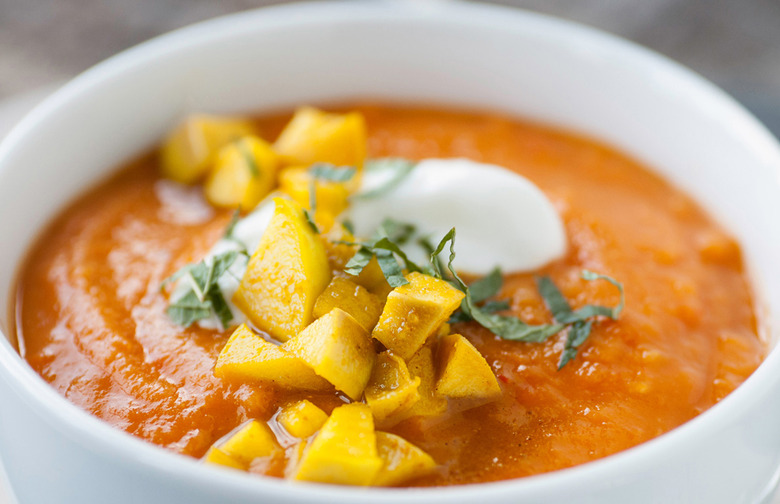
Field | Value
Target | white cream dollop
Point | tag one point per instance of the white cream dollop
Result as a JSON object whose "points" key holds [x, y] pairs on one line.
{"points": [[501, 218]]}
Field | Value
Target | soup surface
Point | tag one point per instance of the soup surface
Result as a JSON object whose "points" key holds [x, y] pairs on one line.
{"points": [[92, 322]]}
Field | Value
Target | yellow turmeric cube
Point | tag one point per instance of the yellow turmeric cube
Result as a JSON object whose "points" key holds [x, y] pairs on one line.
{"points": [[338, 349], [314, 136], [331, 197], [413, 312], [344, 451], [353, 299], [253, 440], [373, 279], [285, 275], [463, 371], [189, 150], [301, 419], [218, 457], [248, 357], [402, 460], [391, 390], [243, 174]]}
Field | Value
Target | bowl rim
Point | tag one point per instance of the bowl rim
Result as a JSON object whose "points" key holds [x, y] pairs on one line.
{"points": [[107, 440]]}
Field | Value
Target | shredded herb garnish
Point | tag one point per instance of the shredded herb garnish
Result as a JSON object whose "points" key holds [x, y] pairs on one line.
{"points": [[399, 167], [386, 248], [204, 298], [230, 229], [249, 159], [328, 173]]}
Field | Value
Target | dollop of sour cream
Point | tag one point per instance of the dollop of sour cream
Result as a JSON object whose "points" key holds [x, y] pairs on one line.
{"points": [[501, 219]]}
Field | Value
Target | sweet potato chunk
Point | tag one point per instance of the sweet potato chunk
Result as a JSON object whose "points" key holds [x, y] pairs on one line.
{"points": [[285, 274], [402, 460], [344, 451], [414, 311], [391, 389], [248, 357], [302, 419], [353, 299], [243, 174], [189, 150], [338, 349], [463, 371], [313, 136]]}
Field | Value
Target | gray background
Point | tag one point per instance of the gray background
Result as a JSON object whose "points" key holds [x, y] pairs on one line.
{"points": [[734, 43]]}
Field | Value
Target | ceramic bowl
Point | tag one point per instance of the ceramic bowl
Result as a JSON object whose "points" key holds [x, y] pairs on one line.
{"points": [[443, 53]]}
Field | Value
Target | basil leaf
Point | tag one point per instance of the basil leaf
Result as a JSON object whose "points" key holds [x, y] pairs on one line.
{"points": [[358, 261], [332, 173], [391, 269], [578, 333], [249, 158], [494, 306], [487, 286], [188, 309], [400, 168], [310, 221]]}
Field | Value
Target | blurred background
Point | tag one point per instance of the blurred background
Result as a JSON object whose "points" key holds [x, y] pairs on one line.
{"points": [[735, 43]]}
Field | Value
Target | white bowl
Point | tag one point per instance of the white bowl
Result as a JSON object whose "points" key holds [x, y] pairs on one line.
{"points": [[443, 53]]}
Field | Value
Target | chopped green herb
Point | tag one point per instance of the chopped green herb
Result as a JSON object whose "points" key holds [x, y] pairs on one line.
{"points": [[487, 286], [399, 168], [332, 173], [203, 297], [310, 220], [249, 159], [349, 226], [512, 328]]}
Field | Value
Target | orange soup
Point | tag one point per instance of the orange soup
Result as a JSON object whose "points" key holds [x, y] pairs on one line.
{"points": [[92, 317]]}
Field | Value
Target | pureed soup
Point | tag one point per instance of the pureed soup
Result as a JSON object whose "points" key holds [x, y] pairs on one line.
{"points": [[299, 348]]}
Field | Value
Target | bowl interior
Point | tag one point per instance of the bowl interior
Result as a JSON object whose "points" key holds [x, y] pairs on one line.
{"points": [[457, 55]]}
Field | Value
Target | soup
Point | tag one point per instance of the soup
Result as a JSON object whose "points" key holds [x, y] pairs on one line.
{"points": [[93, 321]]}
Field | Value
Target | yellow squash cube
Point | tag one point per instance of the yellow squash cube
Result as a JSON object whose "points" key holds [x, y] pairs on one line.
{"points": [[353, 299], [244, 173], [338, 349], [285, 274], [391, 390], [339, 254], [218, 457], [189, 150], [463, 371], [301, 419], [248, 357], [414, 312], [313, 136], [402, 460], [331, 197], [421, 366], [344, 451], [253, 440]]}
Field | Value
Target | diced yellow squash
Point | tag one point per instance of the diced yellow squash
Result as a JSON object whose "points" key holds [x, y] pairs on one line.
{"points": [[218, 457], [344, 451], [285, 274], [402, 460], [414, 312], [391, 390], [443, 330], [373, 279], [353, 299], [189, 150], [248, 357], [243, 174], [338, 349], [253, 440], [302, 419], [421, 366], [339, 254], [314, 136], [331, 197], [463, 371]]}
